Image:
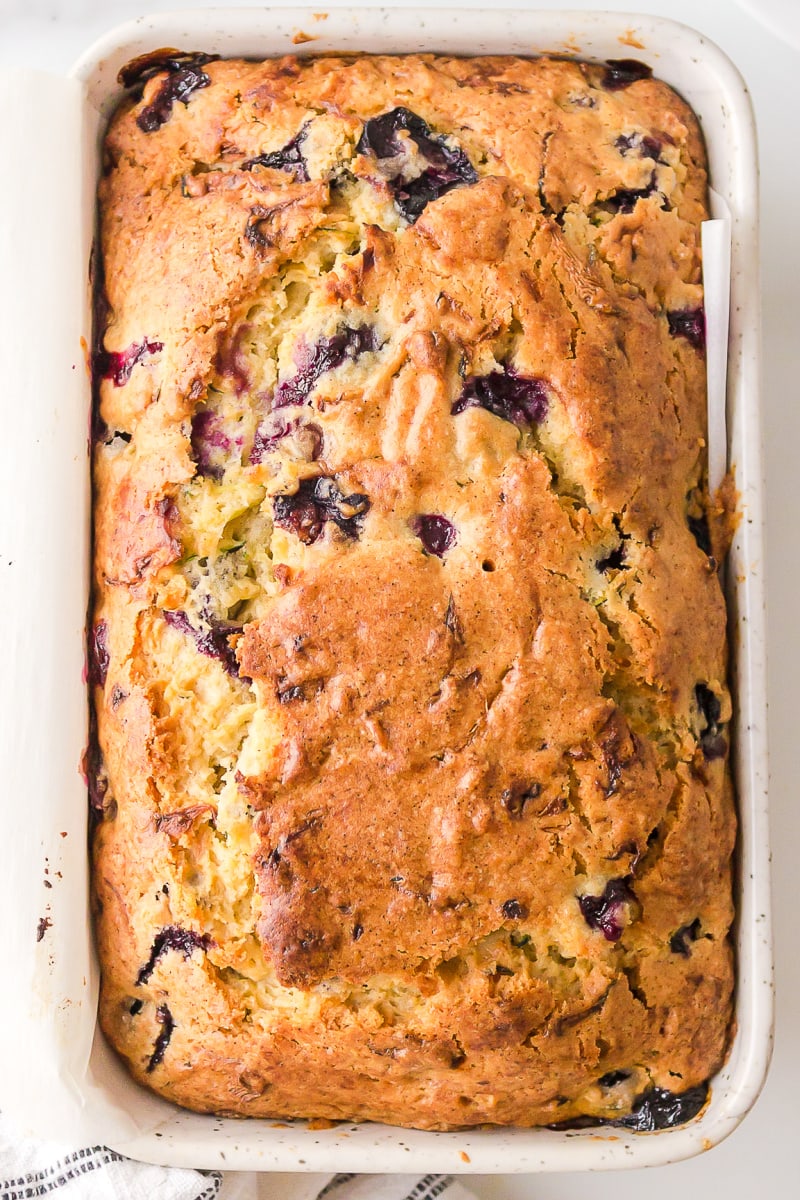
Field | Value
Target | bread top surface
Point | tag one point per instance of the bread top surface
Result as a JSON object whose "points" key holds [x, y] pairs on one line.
{"points": [[414, 655]]}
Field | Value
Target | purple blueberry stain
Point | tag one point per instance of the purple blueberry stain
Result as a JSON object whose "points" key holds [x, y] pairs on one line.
{"points": [[117, 365], [622, 72], [173, 937], [446, 168], [317, 501], [604, 913], [701, 533], [212, 641], [515, 798], [689, 323], [613, 561], [521, 399], [436, 533], [679, 942], [98, 654], [289, 158], [271, 433], [514, 910], [712, 742], [325, 355], [167, 1023], [211, 445], [612, 1078]]}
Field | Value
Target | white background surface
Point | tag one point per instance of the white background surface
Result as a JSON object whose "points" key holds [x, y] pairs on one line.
{"points": [[760, 1159]]}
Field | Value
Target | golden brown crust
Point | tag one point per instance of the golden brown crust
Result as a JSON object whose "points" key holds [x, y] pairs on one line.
{"points": [[411, 702]]}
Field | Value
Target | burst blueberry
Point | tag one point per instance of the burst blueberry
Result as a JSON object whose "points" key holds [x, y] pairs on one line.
{"points": [[175, 938], [317, 501], [211, 640], [325, 355], [447, 167], [185, 75], [521, 399], [289, 158]]}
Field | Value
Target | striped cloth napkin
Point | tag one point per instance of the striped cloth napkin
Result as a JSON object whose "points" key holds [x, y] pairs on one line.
{"points": [[31, 1169]]}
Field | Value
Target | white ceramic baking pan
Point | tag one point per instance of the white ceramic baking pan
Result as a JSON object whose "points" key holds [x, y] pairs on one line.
{"points": [[59, 1077]]}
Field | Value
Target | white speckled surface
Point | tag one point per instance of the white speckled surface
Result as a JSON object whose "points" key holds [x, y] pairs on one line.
{"points": [[52, 39]]}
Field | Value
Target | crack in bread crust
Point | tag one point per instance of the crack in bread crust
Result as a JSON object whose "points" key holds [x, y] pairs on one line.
{"points": [[412, 798]]}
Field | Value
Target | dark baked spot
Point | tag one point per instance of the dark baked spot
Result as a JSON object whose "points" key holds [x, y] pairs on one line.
{"points": [[448, 167], [98, 654], [436, 533], [689, 323], [701, 532], [712, 742], [288, 158], [614, 560], [118, 695], [211, 640], [96, 777], [175, 824], [117, 365], [622, 72], [317, 501], [452, 622], [173, 937], [618, 748], [165, 1019], [325, 355], [605, 913], [521, 399], [612, 1078], [679, 942], [516, 797], [357, 932], [514, 910], [41, 929]]}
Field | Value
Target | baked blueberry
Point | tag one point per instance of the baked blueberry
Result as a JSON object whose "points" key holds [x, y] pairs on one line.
{"points": [[689, 323], [436, 533], [448, 167], [211, 640], [316, 502], [622, 72], [605, 913], [520, 399], [325, 355], [173, 937], [288, 158]]}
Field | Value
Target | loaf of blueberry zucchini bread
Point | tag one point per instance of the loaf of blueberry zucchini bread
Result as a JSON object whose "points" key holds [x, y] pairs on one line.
{"points": [[407, 656]]}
